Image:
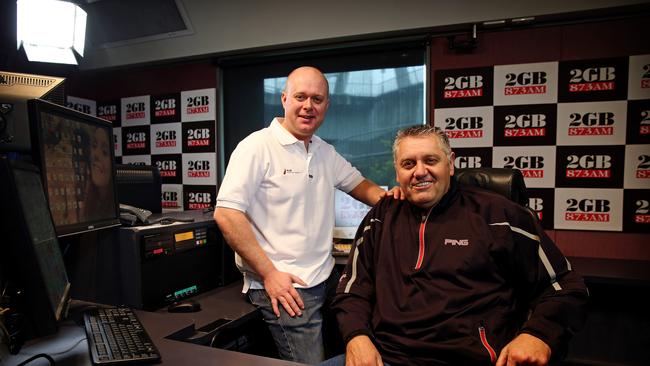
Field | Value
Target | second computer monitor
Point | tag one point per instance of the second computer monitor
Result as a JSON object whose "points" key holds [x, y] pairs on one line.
{"points": [[75, 152], [35, 282], [348, 214]]}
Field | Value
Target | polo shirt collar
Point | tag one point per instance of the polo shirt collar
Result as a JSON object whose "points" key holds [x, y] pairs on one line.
{"points": [[285, 137]]}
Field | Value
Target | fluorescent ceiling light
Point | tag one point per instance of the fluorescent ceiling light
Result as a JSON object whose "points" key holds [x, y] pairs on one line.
{"points": [[49, 30]]}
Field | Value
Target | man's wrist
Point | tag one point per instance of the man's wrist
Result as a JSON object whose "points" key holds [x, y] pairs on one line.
{"points": [[265, 272], [357, 332]]}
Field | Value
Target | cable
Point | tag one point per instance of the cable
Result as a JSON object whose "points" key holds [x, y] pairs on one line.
{"points": [[3, 124], [40, 355], [4, 330], [214, 337], [170, 220], [4, 289], [61, 352]]}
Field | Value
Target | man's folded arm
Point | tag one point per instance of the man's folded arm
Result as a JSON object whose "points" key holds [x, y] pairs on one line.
{"points": [[558, 294], [559, 313], [353, 315]]}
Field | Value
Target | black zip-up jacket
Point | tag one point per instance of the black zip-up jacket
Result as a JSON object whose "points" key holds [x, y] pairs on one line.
{"points": [[454, 284]]}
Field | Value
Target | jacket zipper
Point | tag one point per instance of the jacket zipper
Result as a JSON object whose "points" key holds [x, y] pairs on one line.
{"points": [[422, 246], [484, 341]]}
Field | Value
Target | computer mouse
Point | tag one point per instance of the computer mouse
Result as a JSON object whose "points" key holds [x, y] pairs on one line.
{"points": [[184, 307]]}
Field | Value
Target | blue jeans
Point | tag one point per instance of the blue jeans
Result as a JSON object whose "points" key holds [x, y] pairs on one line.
{"points": [[334, 361], [338, 361], [298, 338]]}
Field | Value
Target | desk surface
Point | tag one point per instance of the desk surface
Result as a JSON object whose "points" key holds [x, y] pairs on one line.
{"points": [[613, 271], [68, 346], [226, 302]]}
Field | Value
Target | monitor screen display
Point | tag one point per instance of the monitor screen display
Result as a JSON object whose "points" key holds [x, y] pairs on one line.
{"points": [[348, 214], [45, 248], [37, 286], [76, 157]]}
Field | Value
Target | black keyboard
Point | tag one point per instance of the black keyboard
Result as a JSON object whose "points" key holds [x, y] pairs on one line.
{"points": [[116, 337]]}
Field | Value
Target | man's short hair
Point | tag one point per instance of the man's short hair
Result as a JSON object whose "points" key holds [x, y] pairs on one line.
{"points": [[420, 131]]}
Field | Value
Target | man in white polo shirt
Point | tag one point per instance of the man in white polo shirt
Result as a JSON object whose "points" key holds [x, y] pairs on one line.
{"points": [[275, 209]]}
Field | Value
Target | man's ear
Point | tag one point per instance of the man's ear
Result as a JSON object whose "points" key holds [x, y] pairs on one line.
{"points": [[283, 98], [395, 167], [452, 158]]}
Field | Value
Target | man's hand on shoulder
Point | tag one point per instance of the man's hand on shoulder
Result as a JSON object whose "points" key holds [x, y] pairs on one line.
{"points": [[370, 193], [361, 352], [396, 193], [525, 349], [279, 287]]}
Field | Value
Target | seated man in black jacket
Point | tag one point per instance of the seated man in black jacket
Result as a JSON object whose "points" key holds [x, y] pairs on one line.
{"points": [[453, 275]]}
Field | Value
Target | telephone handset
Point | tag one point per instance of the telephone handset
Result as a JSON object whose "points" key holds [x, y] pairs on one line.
{"points": [[132, 216]]}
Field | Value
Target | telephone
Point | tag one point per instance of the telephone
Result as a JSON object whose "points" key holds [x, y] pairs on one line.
{"points": [[133, 216]]}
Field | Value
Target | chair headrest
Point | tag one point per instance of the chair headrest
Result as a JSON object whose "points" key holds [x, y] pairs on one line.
{"points": [[505, 181]]}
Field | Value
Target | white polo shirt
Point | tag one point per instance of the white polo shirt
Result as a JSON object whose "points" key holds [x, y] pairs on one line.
{"points": [[288, 194]]}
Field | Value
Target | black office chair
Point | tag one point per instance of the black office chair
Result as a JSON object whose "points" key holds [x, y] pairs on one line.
{"points": [[505, 181]]}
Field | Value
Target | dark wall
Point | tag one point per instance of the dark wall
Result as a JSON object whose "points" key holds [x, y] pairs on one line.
{"points": [[608, 38], [112, 84]]}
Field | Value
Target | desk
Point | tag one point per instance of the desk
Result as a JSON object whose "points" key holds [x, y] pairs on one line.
{"points": [[612, 271], [225, 302], [617, 317]]}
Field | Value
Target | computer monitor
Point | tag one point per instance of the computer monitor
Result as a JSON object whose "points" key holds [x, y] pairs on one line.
{"points": [[75, 153], [35, 283], [15, 90], [348, 214]]}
